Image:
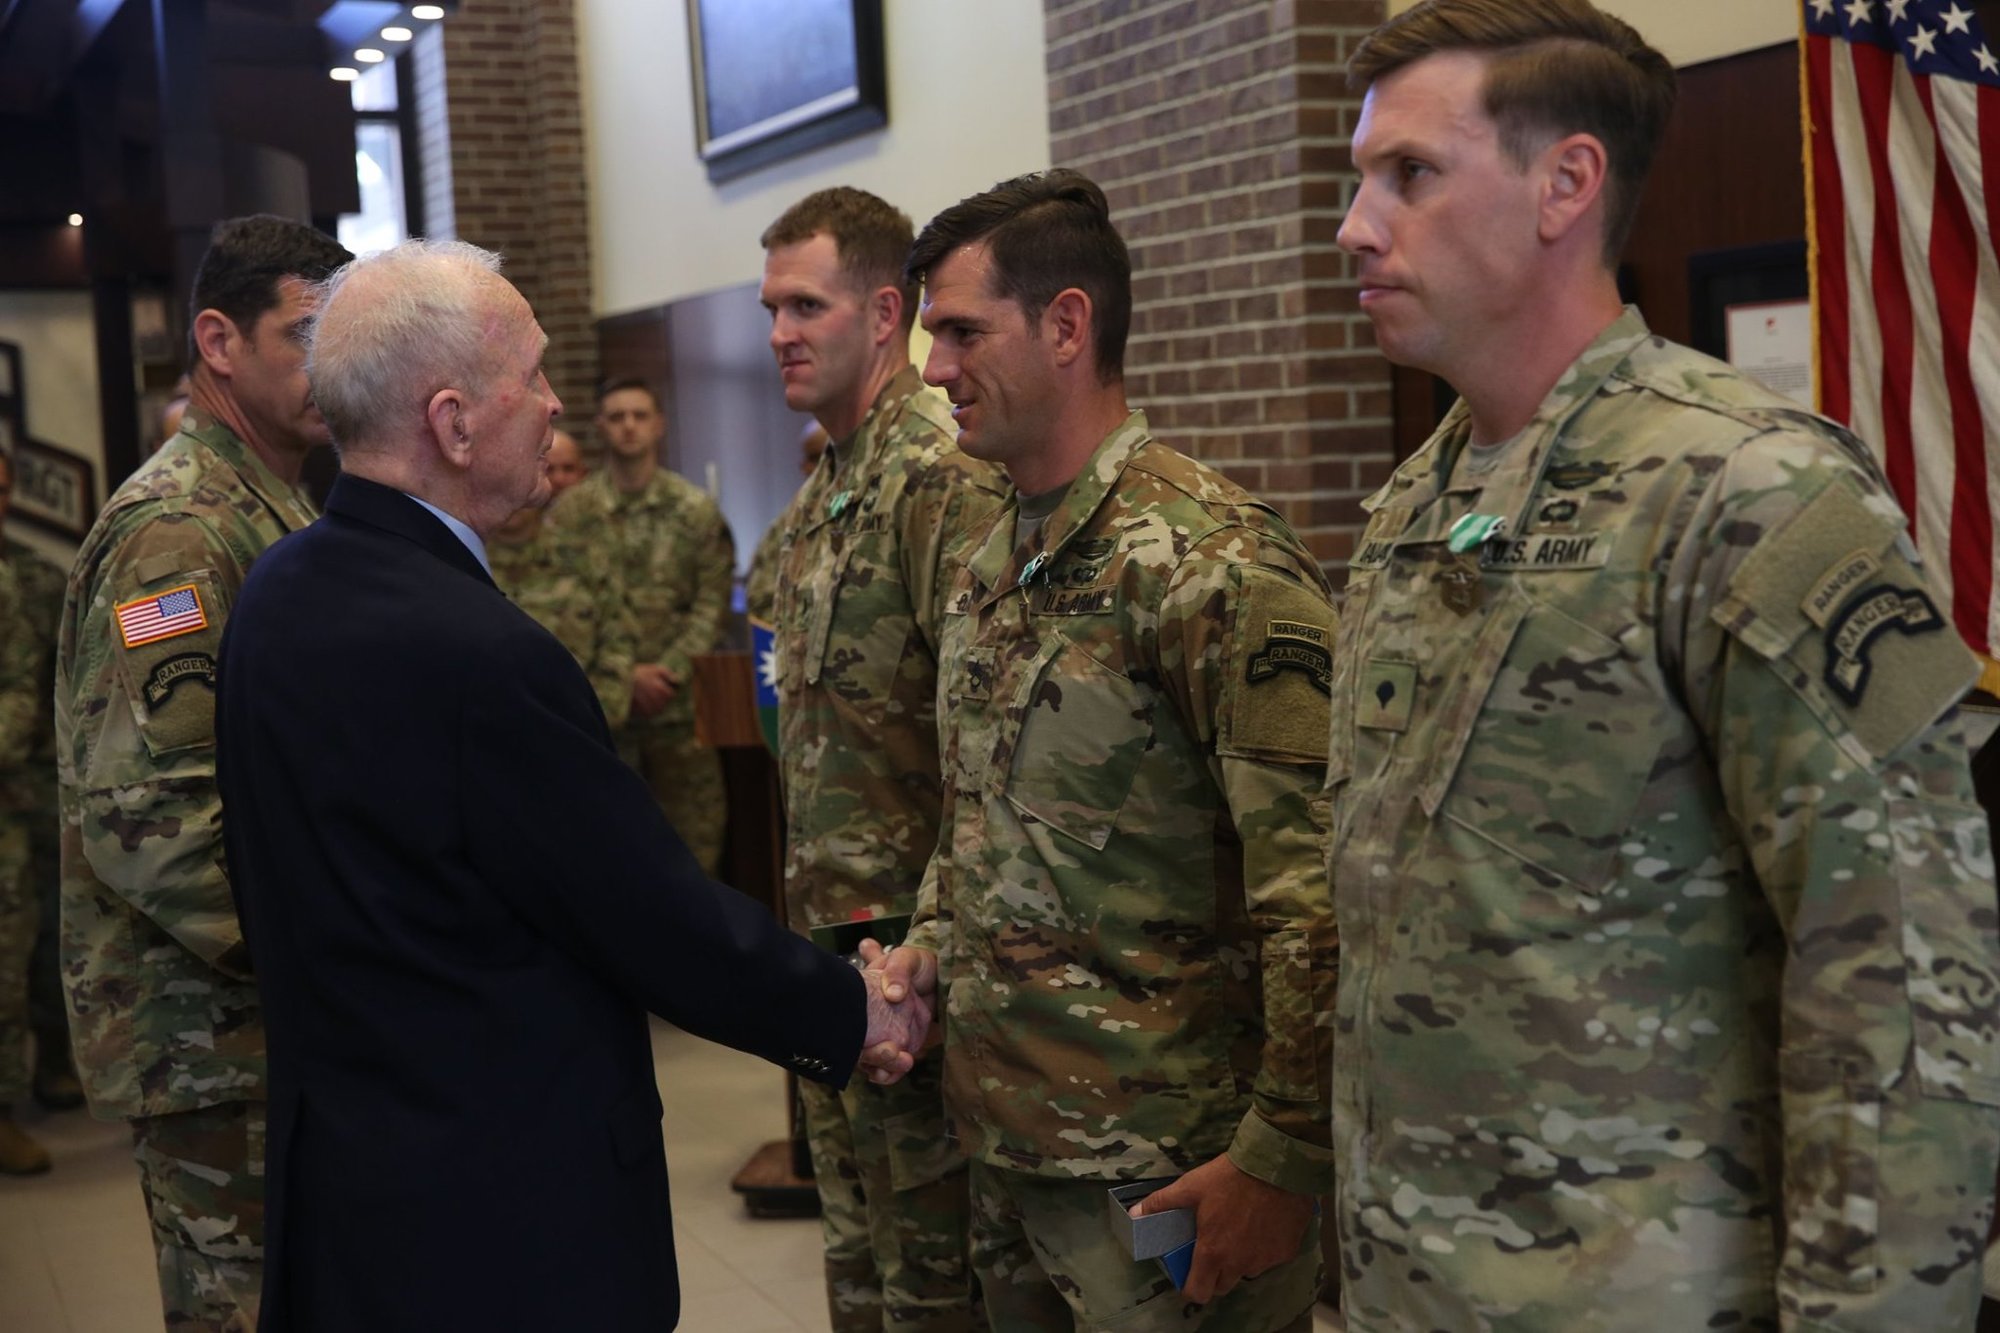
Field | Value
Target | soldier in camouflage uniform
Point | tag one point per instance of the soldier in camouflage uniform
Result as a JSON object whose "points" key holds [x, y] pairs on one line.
{"points": [[1127, 906], [667, 539], [760, 583], [549, 574], [27, 801], [32, 800], [865, 553], [162, 1001], [31, 591], [1667, 996]]}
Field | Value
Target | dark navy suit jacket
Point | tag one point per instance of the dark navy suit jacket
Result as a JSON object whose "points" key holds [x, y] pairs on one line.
{"points": [[460, 906]]}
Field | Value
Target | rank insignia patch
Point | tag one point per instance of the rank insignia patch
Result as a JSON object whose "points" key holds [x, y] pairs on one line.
{"points": [[1862, 621], [165, 615], [1387, 696]]}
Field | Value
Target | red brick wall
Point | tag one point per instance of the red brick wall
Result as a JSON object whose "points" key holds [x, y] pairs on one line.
{"points": [[1219, 129], [518, 177]]}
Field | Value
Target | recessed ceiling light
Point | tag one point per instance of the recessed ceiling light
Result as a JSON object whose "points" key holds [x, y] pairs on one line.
{"points": [[427, 12], [343, 74], [76, 219], [368, 55], [397, 34]]}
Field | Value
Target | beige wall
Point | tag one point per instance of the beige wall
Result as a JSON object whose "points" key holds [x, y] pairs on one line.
{"points": [[1687, 31], [968, 105]]}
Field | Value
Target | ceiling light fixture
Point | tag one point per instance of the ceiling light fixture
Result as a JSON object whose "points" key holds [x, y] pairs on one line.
{"points": [[343, 74], [368, 55], [76, 219], [397, 34], [427, 12]]}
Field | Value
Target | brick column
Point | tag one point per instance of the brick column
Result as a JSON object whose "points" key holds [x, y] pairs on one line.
{"points": [[517, 178], [1219, 131]]}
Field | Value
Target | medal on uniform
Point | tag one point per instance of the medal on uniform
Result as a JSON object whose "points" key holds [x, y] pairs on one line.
{"points": [[1458, 582], [1458, 585], [838, 504], [1031, 569], [1474, 530]]}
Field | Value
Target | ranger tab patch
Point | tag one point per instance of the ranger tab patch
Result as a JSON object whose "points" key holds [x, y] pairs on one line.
{"points": [[174, 672], [1862, 621], [1835, 585], [166, 615], [1291, 645]]}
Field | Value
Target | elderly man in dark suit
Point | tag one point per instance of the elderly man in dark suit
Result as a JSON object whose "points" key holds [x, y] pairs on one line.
{"points": [[460, 902]]}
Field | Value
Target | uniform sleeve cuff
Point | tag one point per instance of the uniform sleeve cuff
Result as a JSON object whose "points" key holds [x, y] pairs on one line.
{"points": [[1262, 1150], [924, 936]]}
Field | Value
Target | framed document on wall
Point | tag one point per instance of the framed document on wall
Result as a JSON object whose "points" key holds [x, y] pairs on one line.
{"points": [[776, 78], [54, 489]]}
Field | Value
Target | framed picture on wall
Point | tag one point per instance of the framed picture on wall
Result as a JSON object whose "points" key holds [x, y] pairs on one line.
{"points": [[776, 78], [54, 489]]}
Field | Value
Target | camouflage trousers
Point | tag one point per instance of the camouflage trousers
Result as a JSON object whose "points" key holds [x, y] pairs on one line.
{"points": [[686, 778], [203, 1176], [892, 1206], [19, 915], [1048, 1259], [48, 1012]]}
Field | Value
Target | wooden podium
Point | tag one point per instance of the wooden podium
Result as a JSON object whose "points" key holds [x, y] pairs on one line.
{"points": [[777, 1180]]}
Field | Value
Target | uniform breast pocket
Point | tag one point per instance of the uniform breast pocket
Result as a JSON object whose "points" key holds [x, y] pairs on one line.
{"points": [[1549, 742], [655, 605], [1082, 737], [862, 623]]}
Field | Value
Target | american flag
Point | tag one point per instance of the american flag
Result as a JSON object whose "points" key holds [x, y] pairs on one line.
{"points": [[1903, 126], [176, 611]]}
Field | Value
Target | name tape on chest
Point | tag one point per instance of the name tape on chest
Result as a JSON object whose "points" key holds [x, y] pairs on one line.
{"points": [[165, 615], [1547, 552], [1073, 601]]}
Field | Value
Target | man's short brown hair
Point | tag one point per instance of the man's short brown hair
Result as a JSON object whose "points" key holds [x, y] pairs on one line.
{"points": [[870, 235], [1555, 67], [1046, 231], [620, 383]]}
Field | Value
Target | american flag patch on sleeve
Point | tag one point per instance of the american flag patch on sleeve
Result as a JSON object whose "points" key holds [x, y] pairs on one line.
{"points": [[174, 612]]}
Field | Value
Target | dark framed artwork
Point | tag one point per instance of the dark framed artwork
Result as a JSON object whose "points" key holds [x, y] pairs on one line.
{"points": [[54, 489], [776, 78], [1741, 276]]}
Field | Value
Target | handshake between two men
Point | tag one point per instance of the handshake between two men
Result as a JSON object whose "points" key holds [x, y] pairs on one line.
{"points": [[1246, 1226], [899, 1012]]}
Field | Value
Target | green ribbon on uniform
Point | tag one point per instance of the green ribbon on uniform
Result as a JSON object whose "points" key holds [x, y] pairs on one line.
{"points": [[1032, 568], [1474, 530], [838, 504]]}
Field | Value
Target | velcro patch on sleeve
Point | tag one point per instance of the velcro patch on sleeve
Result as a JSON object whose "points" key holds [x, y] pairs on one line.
{"points": [[167, 669], [1779, 591], [1831, 594], [164, 615], [1280, 669]]}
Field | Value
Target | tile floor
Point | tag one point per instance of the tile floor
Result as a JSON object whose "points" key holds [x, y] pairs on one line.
{"points": [[74, 1254]]}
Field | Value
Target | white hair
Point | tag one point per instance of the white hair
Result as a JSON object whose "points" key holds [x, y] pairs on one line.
{"points": [[393, 328]]}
